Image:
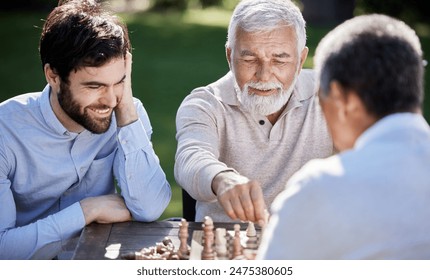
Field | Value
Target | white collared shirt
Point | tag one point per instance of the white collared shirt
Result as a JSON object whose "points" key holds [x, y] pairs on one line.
{"points": [[370, 202]]}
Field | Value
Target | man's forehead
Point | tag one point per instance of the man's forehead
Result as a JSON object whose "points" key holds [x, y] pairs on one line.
{"points": [[113, 69]]}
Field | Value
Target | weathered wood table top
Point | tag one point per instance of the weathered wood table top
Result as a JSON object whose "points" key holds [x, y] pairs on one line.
{"points": [[110, 241]]}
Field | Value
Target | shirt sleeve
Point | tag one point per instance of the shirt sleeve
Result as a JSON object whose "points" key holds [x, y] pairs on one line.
{"points": [[196, 161], [138, 172]]}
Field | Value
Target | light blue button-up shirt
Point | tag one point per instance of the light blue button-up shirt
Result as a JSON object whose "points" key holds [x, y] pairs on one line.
{"points": [[46, 170]]}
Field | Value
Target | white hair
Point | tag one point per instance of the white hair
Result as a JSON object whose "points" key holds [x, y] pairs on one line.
{"points": [[266, 15]]}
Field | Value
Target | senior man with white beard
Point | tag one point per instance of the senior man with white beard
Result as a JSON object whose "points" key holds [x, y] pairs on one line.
{"points": [[242, 137]]}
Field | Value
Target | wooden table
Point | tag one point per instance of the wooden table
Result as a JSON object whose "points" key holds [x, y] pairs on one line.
{"points": [[110, 241]]}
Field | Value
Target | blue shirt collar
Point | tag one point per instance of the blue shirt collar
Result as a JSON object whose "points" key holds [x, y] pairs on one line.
{"points": [[390, 123], [49, 115]]}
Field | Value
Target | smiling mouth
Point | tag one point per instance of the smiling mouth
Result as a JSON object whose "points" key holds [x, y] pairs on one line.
{"points": [[101, 111], [263, 92]]}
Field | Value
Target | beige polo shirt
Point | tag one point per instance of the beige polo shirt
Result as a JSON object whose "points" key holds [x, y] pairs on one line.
{"points": [[214, 134]]}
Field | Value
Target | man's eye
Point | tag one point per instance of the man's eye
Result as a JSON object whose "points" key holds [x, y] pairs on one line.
{"points": [[94, 87]]}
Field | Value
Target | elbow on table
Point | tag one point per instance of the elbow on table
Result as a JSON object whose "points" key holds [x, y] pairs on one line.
{"points": [[151, 211], [147, 216]]}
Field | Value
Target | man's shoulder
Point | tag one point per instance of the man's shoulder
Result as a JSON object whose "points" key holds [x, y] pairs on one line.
{"points": [[305, 87], [317, 172], [307, 73], [18, 112], [20, 104], [221, 90]]}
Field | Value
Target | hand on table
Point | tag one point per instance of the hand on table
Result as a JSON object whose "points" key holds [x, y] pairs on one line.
{"points": [[109, 208], [240, 197]]}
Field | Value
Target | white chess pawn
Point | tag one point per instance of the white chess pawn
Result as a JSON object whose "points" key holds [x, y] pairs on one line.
{"points": [[251, 233], [250, 230], [237, 247]]}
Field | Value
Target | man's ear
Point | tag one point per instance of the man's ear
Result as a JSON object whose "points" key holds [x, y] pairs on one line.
{"points": [[51, 76], [337, 94], [349, 104], [303, 56], [228, 53]]}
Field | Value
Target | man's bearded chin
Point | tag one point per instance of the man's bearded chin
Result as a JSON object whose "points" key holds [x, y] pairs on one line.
{"points": [[265, 105], [73, 110]]}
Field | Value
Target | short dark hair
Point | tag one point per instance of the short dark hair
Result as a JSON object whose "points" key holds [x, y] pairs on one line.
{"points": [[378, 57], [80, 33]]}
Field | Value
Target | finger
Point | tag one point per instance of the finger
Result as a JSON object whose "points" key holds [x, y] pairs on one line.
{"points": [[258, 202], [128, 62], [228, 208], [238, 208], [247, 206]]}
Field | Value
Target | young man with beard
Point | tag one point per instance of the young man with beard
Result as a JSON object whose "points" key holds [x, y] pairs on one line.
{"points": [[243, 136], [62, 148]]}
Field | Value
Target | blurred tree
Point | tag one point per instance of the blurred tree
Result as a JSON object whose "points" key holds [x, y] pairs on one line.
{"points": [[183, 4], [208, 3], [411, 11], [162, 5], [327, 12], [28, 5]]}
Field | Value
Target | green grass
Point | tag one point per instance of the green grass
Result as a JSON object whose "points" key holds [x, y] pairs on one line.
{"points": [[173, 53]]}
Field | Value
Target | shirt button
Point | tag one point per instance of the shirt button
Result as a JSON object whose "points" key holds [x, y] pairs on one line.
{"points": [[262, 122]]}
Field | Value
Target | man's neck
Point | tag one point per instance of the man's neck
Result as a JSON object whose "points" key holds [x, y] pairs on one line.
{"points": [[275, 116], [62, 116]]}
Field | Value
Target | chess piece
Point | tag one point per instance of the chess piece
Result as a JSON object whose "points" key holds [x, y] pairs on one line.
{"points": [[221, 244], [250, 230], [184, 249], [251, 233], [263, 227], [237, 247], [208, 239], [129, 256]]}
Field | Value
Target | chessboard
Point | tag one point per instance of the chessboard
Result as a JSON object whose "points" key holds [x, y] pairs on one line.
{"points": [[220, 244], [210, 243]]}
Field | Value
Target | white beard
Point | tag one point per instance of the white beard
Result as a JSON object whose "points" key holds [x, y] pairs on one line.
{"points": [[265, 105]]}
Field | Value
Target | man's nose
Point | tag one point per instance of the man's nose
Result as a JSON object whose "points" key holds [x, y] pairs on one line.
{"points": [[264, 72], [109, 97]]}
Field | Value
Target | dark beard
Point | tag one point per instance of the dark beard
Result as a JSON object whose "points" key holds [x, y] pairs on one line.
{"points": [[72, 109]]}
